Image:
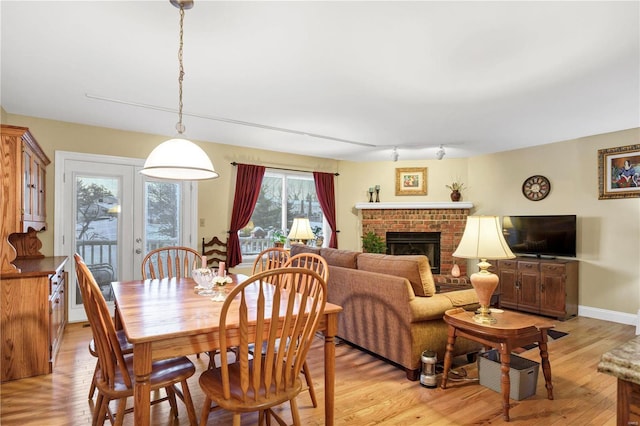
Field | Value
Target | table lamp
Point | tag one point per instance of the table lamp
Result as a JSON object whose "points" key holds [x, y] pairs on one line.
{"points": [[482, 239], [301, 231]]}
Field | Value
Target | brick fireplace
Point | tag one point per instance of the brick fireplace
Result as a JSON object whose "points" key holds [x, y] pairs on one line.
{"points": [[448, 219]]}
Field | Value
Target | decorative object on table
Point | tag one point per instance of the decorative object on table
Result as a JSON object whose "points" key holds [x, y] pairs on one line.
{"points": [[482, 239], [279, 239], [371, 194], [373, 243], [619, 172], [179, 158], [411, 181], [536, 188], [377, 193], [219, 281], [456, 190], [455, 270], [301, 231], [204, 280]]}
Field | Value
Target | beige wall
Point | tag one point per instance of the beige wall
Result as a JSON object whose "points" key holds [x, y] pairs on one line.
{"points": [[215, 197], [608, 230], [356, 178]]}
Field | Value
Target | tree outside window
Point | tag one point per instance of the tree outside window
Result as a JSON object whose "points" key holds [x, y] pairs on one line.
{"points": [[283, 196]]}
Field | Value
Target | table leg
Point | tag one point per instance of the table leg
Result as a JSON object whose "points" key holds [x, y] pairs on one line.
{"points": [[142, 385], [546, 365], [451, 340], [330, 368], [505, 381]]}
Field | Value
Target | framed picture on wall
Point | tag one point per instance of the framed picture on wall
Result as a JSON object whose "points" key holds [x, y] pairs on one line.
{"points": [[411, 181], [619, 172]]}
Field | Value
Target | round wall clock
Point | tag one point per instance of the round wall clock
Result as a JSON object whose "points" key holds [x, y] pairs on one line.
{"points": [[536, 188]]}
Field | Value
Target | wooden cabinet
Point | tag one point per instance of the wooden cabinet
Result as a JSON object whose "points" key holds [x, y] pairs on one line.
{"points": [[33, 193], [33, 316], [23, 209], [541, 286]]}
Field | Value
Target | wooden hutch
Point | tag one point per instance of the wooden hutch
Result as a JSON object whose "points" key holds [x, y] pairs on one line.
{"points": [[32, 286]]}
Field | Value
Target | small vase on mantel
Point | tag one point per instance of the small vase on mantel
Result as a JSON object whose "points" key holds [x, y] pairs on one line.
{"points": [[455, 195], [455, 271]]}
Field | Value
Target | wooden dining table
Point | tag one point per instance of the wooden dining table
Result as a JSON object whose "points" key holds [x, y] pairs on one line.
{"points": [[167, 318]]}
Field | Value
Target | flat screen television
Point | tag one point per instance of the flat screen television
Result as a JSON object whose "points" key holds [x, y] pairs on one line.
{"points": [[541, 236]]}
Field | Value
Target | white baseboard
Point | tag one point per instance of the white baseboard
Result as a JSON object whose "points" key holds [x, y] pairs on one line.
{"points": [[613, 316]]}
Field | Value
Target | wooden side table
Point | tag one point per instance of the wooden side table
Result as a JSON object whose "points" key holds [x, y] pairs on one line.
{"points": [[511, 330]]}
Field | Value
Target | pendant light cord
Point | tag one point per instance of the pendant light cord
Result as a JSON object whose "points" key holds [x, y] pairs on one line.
{"points": [[180, 127]]}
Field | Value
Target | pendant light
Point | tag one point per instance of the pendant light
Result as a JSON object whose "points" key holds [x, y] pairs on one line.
{"points": [[178, 158]]}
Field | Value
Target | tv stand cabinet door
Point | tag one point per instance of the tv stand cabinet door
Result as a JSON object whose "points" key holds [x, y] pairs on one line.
{"points": [[559, 289], [508, 283], [529, 291]]}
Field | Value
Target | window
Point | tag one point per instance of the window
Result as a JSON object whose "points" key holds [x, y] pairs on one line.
{"points": [[283, 196]]}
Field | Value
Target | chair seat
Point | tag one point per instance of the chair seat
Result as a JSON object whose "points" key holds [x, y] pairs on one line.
{"points": [[164, 373], [211, 383]]}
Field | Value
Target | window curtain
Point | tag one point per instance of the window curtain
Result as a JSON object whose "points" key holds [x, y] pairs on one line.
{"points": [[248, 183], [327, 198]]}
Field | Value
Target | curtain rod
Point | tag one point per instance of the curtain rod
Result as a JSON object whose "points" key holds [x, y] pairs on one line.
{"points": [[289, 170]]}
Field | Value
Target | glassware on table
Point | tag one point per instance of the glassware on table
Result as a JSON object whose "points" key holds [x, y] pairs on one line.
{"points": [[204, 278], [219, 282]]}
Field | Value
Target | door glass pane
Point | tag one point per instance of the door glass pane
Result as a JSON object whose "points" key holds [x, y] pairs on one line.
{"points": [[162, 214], [96, 228]]}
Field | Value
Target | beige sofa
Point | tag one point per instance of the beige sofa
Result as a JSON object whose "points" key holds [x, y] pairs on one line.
{"points": [[390, 305]]}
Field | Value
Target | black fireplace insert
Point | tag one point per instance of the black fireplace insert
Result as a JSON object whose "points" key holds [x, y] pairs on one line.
{"points": [[408, 243]]}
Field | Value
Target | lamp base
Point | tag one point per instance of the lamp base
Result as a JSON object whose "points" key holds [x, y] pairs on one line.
{"points": [[483, 316], [484, 283]]}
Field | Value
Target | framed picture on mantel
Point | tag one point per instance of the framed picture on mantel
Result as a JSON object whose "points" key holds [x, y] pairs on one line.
{"points": [[411, 181], [619, 172]]}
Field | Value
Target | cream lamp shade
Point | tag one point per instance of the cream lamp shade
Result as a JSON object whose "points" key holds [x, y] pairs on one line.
{"points": [[483, 239], [301, 230], [178, 158]]}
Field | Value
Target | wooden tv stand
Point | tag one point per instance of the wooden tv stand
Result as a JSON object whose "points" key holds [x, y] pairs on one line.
{"points": [[539, 285]]}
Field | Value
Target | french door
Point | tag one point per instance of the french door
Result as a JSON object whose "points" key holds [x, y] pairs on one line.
{"points": [[112, 215]]}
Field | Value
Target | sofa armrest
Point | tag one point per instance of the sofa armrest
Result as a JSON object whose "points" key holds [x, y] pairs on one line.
{"points": [[434, 307]]}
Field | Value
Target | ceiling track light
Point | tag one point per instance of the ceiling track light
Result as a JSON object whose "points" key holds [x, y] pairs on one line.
{"points": [[394, 154], [440, 153], [179, 158]]}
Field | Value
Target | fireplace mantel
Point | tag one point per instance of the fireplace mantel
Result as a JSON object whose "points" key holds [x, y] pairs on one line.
{"points": [[416, 205]]}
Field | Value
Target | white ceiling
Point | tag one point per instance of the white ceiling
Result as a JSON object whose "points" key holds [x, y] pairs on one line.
{"points": [[478, 77]]}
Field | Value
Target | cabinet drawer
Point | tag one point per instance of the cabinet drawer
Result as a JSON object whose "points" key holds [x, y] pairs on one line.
{"points": [[507, 264], [55, 281], [528, 266], [551, 268]]}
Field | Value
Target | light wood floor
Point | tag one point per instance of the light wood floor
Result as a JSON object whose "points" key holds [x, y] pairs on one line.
{"points": [[369, 391]]}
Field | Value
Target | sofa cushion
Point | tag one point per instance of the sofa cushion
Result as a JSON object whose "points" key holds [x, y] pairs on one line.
{"points": [[342, 258], [414, 268]]}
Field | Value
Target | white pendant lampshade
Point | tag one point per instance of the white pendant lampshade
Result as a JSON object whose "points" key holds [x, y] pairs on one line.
{"points": [[179, 159]]}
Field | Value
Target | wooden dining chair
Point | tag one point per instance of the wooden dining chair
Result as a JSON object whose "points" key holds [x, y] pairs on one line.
{"points": [[318, 264], [116, 369], [271, 258], [272, 314], [170, 262], [215, 250]]}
